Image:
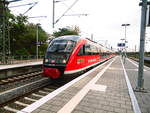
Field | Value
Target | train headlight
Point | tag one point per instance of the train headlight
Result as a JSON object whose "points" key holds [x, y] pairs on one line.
{"points": [[46, 60], [64, 61]]}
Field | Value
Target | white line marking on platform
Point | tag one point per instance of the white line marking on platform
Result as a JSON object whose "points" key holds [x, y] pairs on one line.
{"points": [[112, 68], [98, 87], [43, 100], [133, 70], [135, 105], [69, 107]]}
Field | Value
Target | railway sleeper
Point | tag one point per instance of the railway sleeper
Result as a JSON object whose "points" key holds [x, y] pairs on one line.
{"points": [[20, 103], [37, 95], [10, 109], [30, 99]]}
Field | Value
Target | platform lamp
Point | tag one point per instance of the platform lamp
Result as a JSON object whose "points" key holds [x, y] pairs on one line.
{"points": [[125, 26]]}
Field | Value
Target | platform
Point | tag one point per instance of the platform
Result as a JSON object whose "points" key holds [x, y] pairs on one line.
{"points": [[13, 70], [142, 98], [104, 89], [10, 66]]}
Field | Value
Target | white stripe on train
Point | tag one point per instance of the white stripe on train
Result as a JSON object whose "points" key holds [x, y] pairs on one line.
{"points": [[79, 70]]}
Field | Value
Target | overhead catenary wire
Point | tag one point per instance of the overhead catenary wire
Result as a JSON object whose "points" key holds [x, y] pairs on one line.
{"points": [[74, 13], [14, 1], [38, 17]]}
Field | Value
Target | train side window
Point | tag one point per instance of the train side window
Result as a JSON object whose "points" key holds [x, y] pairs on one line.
{"points": [[91, 49], [81, 51], [88, 49], [95, 50]]}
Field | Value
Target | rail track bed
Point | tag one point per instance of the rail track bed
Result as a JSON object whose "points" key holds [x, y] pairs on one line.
{"points": [[146, 62], [13, 82], [19, 77], [31, 91]]}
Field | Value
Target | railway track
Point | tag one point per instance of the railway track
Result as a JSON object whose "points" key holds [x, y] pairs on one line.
{"points": [[29, 93], [13, 82], [23, 101], [20, 77]]}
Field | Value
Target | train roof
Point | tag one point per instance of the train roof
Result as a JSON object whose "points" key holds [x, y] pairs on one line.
{"points": [[77, 38], [69, 37]]}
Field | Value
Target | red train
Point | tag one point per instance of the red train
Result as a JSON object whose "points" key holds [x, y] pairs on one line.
{"points": [[68, 55]]}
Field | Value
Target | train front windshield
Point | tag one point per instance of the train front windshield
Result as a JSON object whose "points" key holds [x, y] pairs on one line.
{"points": [[59, 51], [65, 46]]}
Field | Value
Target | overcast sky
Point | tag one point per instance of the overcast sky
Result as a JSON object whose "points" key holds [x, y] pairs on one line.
{"points": [[104, 20]]}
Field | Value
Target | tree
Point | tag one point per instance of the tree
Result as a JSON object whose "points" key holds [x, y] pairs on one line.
{"points": [[23, 36], [67, 31]]}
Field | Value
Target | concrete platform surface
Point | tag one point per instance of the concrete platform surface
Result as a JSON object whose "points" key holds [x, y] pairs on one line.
{"points": [[104, 89]]}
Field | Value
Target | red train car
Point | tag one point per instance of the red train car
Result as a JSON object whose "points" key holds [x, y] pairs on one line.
{"points": [[68, 55]]}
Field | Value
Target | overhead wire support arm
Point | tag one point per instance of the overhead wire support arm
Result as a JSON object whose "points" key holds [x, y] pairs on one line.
{"points": [[30, 8], [14, 1], [38, 17], [77, 15], [22, 5], [66, 11]]}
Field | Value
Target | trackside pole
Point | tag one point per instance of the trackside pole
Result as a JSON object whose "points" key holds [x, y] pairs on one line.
{"points": [[140, 81]]}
